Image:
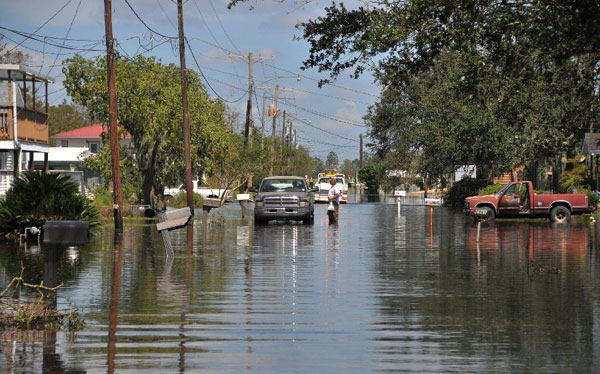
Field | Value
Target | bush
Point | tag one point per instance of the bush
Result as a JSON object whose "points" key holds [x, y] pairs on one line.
{"points": [[180, 200], [593, 199], [491, 189], [575, 177], [36, 197], [103, 202], [455, 196]]}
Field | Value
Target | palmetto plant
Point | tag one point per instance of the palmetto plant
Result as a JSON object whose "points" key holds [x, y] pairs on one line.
{"points": [[39, 196]]}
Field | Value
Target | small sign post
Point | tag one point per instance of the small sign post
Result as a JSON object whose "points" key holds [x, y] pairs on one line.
{"points": [[242, 198]]}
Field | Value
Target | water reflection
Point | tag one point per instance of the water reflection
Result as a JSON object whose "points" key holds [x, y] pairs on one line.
{"points": [[378, 292]]}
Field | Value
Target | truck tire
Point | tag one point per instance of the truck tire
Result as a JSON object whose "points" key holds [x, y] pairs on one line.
{"points": [[309, 220], [260, 221], [491, 215], [560, 214]]}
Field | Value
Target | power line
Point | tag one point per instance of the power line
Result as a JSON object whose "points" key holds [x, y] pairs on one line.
{"points": [[330, 84], [324, 115], [320, 129], [203, 76], [66, 36], [31, 37], [145, 24], [43, 24], [223, 28]]}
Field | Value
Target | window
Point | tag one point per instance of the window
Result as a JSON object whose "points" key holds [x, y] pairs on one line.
{"points": [[283, 185], [94, 147], [5, 160], [64, 143]]}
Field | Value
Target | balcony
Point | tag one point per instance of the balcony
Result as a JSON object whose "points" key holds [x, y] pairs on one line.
{"points": [[31, 125], [19, 89]]}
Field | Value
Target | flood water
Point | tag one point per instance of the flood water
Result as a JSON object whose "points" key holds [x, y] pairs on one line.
{"points": [[377, 293]]}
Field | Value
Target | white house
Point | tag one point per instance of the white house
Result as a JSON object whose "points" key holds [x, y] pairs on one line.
{"points": [[89, 137]]}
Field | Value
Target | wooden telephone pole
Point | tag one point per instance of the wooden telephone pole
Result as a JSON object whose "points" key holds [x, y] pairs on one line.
{"points": [[112, 113], [248, 129], [273, 132], [186, 115], [360, 163]]}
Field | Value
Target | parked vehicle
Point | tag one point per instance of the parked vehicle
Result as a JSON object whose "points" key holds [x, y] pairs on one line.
{"points": [[284, 197], [517, 199], [203, 191], [324, 186]]}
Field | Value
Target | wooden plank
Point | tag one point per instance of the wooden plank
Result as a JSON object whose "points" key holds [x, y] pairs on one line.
{"points": [[172, 224], [177, 213], [211, 203]]}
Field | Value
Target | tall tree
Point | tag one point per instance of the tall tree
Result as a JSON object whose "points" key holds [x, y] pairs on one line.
{"points": [[332, 160], [149, 102], [65, 117]]}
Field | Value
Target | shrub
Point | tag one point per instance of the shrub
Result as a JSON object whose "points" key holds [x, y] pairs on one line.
{"points": [[593, 199], [180, 200], [455, 196], [103, 202], [574, 178], [491, 189], [36, 197]]}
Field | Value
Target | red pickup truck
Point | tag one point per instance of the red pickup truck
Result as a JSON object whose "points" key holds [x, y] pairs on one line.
{"points": [[517, 199]]}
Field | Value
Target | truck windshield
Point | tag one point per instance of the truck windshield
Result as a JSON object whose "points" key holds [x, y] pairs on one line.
{"points": [[283, 185], [326, 180]]}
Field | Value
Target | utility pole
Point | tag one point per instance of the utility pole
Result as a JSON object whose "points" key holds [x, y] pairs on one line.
{"points": [[249, 127], [186, 115], [112, 114], [273, 132], [262, 122], [360, 163], [283, 132]]}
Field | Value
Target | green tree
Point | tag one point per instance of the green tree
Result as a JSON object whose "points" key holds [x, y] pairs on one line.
{"points": [[372, 175], [65, 117], [149, 106], [332, 160]]}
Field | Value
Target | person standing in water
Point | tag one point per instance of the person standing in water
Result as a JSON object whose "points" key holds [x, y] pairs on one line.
{"points": [[334, 198]]}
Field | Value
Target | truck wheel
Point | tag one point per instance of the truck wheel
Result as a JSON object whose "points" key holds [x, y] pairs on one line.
{"points": [[491, 215], [309, 220], [560, 214], [260, 221]]}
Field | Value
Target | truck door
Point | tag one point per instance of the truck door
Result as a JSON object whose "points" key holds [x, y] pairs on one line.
{"points": [[509, 201]]}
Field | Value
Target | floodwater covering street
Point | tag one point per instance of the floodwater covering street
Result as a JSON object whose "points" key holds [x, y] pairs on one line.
{"points": [[376, 293]]}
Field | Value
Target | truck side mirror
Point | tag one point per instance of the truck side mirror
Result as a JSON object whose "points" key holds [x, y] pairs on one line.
{"points": [[252, 189]]}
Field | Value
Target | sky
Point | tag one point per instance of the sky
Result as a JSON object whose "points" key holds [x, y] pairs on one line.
{"points": [[326, 119]]}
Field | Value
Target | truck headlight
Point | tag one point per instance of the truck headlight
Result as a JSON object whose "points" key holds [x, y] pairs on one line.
{"points": [[259, 203], [304, 203]]}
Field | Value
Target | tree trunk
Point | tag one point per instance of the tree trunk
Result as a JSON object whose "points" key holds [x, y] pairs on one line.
{"points": [[148, 173]]}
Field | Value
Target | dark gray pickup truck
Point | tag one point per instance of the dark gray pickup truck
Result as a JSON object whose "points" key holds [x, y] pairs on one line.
{"points": [[285, 198]]}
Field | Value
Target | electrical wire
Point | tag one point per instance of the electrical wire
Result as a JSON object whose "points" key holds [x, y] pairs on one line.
{"points": [[206, 80], [43, 24], [324, 115], [66, 36], [320, 129], [146, 25]]}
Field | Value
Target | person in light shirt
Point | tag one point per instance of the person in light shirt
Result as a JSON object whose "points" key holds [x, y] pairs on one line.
{"points": [[334, 197]]}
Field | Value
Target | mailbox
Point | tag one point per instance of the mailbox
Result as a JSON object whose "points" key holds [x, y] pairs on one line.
{"points": [[66, 232], [208, 202]]}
